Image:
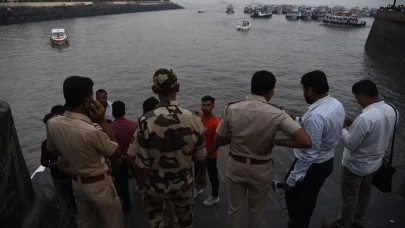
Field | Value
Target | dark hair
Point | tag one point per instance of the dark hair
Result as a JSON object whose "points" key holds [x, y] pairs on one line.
{"points": [[58, 109], [208, 98], [101, 91], [365, 87], [48, 117], [262, 82], [149, 104], [76, 89], [316, 80], [118, 109]]}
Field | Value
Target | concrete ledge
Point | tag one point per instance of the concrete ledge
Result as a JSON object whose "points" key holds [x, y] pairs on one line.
{"points": [[391, 15]]}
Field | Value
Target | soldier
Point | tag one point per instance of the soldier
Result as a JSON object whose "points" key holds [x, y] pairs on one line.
{"points": [[250, 127], [169, 138], [85, 145]]}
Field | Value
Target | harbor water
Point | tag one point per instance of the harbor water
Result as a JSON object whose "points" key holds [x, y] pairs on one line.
{"points": [[121, 52]]}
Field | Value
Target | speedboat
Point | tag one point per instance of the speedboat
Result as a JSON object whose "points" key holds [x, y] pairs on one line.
{"points": [[201, 11], [244, 27], [59, 37]]}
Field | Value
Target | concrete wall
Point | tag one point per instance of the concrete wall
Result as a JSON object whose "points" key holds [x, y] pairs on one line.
{"points": [[387, 37], [16, 192], [22, 204], [17, 15]]}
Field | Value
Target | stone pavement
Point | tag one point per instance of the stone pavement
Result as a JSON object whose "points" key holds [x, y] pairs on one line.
{"points": [[385, 210]]}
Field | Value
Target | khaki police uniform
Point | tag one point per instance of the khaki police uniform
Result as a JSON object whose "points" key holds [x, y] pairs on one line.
{"points": [[85, 146], [252, 124], [169, 139]]}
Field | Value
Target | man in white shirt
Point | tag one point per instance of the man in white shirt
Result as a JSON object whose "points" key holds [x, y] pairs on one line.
{"points": [[323, 122], [101, 96], [365, 143]]}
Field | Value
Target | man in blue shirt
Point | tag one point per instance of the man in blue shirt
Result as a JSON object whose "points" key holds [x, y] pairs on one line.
{"points": [[323, 122]]}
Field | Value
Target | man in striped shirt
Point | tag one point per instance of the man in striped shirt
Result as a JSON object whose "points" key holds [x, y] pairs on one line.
{"points": [[123, 130], [323, 122]]}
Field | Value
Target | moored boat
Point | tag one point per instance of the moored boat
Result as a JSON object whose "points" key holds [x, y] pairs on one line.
{"points": [[248, 9], [343, 20], [244, 27], [293, 15], [262, 12], [59, 37]]}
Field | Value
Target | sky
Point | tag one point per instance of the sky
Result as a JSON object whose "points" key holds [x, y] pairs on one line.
{"points": [[371, 3]]}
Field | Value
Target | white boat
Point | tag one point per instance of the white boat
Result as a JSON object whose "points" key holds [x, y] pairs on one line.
{"points": [[59, 37], [262, 12], [244, 27], [201, 11]]}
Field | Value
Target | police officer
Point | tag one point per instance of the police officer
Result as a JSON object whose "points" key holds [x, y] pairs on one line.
{"points": [[250, 127], [85, 145], [169, 139]]}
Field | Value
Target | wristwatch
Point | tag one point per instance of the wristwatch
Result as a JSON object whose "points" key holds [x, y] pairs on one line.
{"points": [[140, 192]]}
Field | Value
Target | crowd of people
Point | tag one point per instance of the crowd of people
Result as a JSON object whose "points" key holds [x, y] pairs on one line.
{"points": [[91, 148], [399, 8]]}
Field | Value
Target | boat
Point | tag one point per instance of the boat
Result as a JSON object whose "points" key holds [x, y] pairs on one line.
{"points": [[343, 20], [59, 37], [248, 9], [222, 2], [262, 12], [318, 13], [276, 10], [201, 11], [304, 13], [293, 15], [229, 9], [244, 27]]}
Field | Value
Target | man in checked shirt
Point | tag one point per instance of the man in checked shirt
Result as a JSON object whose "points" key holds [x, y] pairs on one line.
{"points": [[323, 122]]}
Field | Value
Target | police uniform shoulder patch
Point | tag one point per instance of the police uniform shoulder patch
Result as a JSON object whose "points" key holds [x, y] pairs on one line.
{"points": [[278, 107], [97, 126]]}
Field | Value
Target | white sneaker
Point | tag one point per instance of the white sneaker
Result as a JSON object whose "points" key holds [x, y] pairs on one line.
{"points": [[197, 192], [210, 201]]}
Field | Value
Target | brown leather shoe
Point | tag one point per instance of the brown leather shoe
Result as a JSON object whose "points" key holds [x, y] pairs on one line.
{"points": [[328, 224]]}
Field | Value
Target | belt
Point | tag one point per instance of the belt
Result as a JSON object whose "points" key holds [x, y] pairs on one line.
{"points": [[89, 180], [252, 160]]}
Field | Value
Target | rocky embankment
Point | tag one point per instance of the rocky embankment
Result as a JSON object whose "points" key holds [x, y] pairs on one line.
{"points": [[17, 15]]}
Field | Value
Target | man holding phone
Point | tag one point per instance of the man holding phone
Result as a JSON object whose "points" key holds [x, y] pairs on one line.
{"points": [[84, 139]]}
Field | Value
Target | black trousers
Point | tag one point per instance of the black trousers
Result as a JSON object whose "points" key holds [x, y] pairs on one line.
{"points": [[212, 175], [122, 187], [301, 200]]}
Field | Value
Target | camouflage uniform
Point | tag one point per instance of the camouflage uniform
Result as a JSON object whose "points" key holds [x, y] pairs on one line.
{"points": [[169, 138]]}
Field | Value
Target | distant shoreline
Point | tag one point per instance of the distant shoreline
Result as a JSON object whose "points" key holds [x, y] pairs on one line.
{"points": [[24, 12]]}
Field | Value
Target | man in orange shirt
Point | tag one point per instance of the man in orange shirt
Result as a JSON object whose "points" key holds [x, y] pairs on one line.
{"points": [[210, 122]]}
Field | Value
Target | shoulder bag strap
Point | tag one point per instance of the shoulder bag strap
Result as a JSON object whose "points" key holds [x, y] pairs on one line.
{"points": [[393, 135]]}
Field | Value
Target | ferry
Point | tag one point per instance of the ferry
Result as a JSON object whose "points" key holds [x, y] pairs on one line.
{"points": [[248, 9], [262, 12], [343, 20], [293, 15], [58, 37], [318, 13]]}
